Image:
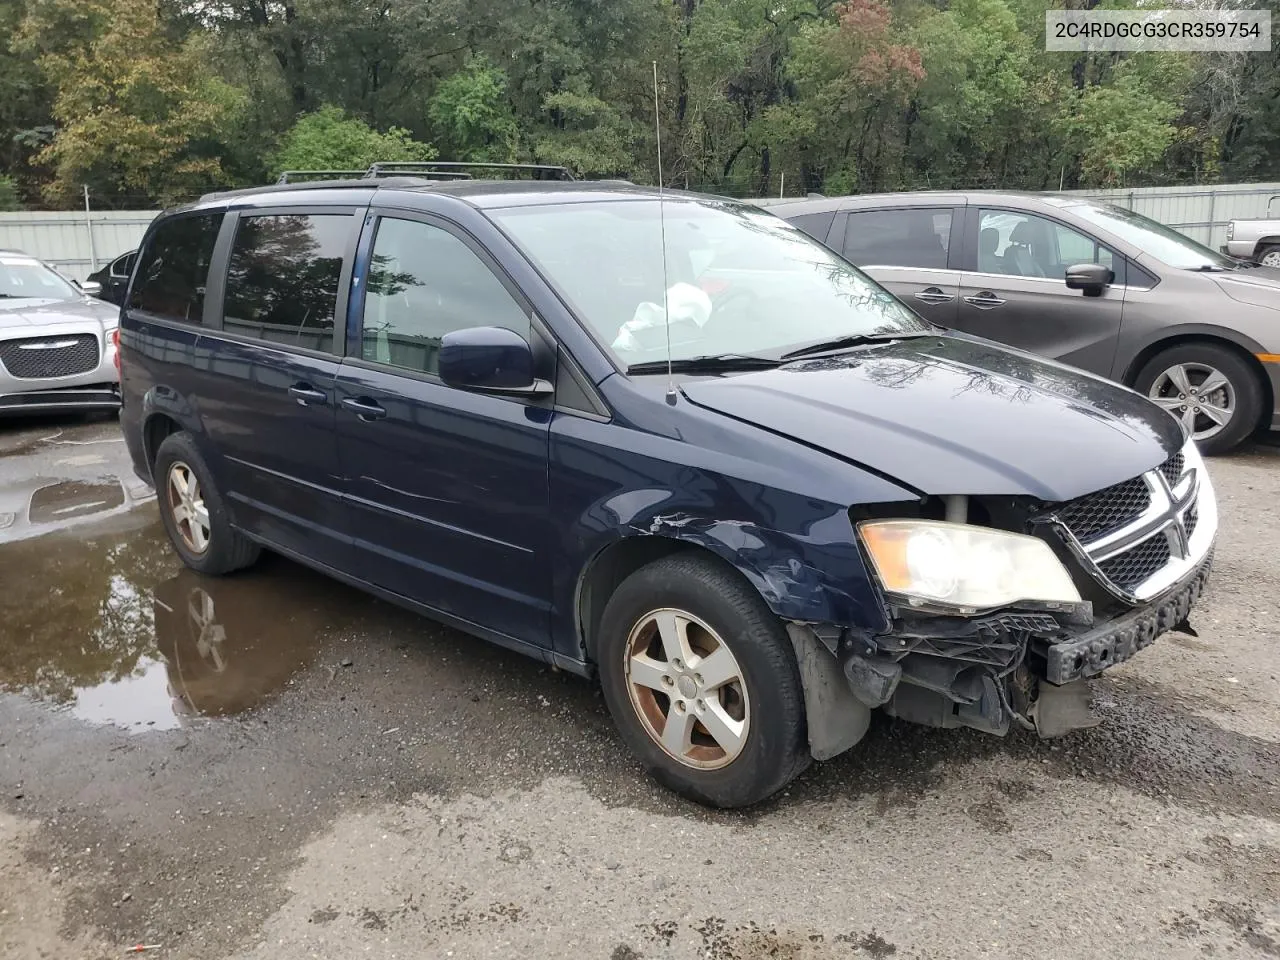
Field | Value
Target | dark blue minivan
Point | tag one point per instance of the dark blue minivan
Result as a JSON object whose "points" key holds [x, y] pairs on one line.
{"points": [[670, 442]]}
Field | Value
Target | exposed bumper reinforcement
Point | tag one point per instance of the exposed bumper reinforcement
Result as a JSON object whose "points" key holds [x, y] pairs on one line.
{"points": [[1119, 639]]}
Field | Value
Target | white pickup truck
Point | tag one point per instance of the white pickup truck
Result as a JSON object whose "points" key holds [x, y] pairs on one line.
{"points": [[1256, 240]]}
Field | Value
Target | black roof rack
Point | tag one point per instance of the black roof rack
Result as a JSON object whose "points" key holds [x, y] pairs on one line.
{"points": [[301, 176], [293, 176], [393, 173], [434, 169]]}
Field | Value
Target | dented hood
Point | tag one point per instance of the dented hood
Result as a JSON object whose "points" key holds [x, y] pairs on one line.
{"points": [[951, 415]]}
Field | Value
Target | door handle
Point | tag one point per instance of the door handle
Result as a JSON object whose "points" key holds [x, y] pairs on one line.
{"points": [[934, 295], [306, 395], [364, 408], [984, 300]]}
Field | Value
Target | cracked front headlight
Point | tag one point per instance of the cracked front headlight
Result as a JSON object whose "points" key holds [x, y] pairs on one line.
{"points": [[962, 566]]}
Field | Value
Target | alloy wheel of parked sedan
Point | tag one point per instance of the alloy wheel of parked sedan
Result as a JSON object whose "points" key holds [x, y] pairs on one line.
{"points": [[687, 689], [1199, 395], [186, 501]]}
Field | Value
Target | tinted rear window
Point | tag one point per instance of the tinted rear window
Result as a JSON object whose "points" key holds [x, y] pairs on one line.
{"points": [[905, 237], [175, 267], [816, 225], [282, 282]]}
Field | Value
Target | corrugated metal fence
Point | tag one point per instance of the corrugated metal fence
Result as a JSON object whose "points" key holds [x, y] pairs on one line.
{"points": [[76, 243], [1199, 212]]}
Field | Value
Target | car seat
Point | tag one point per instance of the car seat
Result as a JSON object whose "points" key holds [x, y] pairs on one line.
{"points": [[925, 245], [1017, 256], [988, 243]]}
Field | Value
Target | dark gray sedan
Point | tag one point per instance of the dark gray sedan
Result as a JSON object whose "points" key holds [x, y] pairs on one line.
{"points": [[1090, 284]]}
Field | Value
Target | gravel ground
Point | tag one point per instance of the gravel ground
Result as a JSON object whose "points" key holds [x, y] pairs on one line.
{"points": [[273, 766]]}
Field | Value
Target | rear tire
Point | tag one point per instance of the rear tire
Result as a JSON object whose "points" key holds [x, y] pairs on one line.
{"points": [[1173, 377], [193, 511], [702, 681]]}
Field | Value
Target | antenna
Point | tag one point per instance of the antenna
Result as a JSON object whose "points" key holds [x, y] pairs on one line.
{"points": [[662, 227]]}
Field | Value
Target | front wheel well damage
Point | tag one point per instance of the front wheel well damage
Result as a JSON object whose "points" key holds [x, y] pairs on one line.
{"points": [[605, 573]]}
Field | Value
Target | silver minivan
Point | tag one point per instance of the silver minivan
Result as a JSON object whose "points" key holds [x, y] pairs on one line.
{"points": [[1086, 283]]}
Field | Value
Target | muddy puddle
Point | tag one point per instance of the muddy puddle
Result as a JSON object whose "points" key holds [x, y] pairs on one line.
{"points": [[112, 629]]}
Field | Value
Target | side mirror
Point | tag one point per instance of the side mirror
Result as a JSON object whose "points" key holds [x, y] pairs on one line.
{"points": [[489, 360], [92, 287], [1091, 278]]}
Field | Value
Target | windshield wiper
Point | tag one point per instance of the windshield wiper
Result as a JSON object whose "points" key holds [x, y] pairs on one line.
{"points": [[854, 340], [709, 364]]}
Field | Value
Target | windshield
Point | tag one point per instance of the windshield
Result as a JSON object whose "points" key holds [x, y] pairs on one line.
{"points": [[740, 281], [26, 277], [1164, 243]]}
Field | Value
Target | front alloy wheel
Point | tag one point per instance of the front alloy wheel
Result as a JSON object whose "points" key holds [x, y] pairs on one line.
{"points": [[687, 689], [1197, 394], [702, 681]]}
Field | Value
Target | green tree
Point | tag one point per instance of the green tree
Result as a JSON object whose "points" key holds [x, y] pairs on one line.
{"points": [[330, 139], [134, 113], [471, 115], [588, 136], [1119, 130], [9, 199]]}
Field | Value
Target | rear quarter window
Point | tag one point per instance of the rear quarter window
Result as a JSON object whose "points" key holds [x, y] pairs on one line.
{"points": [[816, 225], [175, 267], [899, 237]]}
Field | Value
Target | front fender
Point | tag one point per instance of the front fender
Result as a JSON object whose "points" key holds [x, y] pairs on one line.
{"points": [[807, 567]]}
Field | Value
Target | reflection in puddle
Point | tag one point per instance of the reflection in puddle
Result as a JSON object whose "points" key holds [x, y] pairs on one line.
{"points": [[117, 632], [131, 702], [39, 505]]}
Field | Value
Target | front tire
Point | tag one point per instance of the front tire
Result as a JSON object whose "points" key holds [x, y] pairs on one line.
{"points": [[702, 682], [193, 512], [1210, 388]]}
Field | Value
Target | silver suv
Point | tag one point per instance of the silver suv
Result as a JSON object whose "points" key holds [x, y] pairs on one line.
{"points": [[1090, 284], [57, 344]]}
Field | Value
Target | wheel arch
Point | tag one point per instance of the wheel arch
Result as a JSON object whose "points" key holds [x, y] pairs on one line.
{"points": [[606, 570], [164, 412], [1145, 355], [1260, 245], [155, 429]]}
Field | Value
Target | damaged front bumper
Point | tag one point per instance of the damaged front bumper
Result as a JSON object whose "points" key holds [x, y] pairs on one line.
{"points": [[1021, 667], [1114, 642]]}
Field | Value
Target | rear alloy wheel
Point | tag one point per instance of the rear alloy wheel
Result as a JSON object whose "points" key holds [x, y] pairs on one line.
{"points": [[701, 679], [186, 501], [1209, 388], [193, 513]]}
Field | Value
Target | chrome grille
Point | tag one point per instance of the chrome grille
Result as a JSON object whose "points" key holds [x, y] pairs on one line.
{"points": [[1172, 468], [1135, 537], [1133, 567], [41, 358], [1099, 513]]}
